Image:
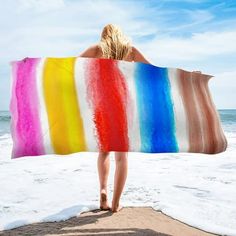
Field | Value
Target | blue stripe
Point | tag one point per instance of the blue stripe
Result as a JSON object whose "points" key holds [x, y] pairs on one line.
{"points": [[155, 109]]}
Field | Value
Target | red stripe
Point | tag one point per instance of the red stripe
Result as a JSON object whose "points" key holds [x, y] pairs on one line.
{"points": [[107, 93]]}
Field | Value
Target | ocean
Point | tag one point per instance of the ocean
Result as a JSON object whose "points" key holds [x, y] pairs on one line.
{"points": [[197, 189]]}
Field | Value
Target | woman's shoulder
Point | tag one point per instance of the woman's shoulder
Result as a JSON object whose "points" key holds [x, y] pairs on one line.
{"points": [[91, 51], [94, 48]]}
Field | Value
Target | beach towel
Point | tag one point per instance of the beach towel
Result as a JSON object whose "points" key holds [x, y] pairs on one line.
{"points": [[76, 104]]}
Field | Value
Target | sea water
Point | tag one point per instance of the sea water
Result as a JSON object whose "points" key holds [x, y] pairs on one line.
{"points": [[198, 189]]}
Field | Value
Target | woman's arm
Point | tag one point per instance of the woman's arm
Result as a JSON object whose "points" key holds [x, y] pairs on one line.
{"points": [[89, 52], [138, 56]]}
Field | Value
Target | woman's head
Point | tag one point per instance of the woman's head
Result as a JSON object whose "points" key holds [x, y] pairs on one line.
{"points": [[114, 43]]}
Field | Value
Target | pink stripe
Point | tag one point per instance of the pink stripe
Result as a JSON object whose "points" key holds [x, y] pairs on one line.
{"points": [[26, 128]]}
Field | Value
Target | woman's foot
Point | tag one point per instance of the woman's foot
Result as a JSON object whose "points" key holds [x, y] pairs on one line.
{"points": [[116, 208], [103, 201]]}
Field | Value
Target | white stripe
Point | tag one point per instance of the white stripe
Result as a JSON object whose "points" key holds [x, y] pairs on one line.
{"points": [[181, 122], [128, 70], [13, 109], [85, 110], [42, 109]]}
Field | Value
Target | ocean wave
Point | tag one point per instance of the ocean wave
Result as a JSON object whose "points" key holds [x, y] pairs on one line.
{"points": [[5, 118]]}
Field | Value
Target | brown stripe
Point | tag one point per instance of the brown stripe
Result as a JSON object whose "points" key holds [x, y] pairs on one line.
{"points": [[199, 99], [219, 140], [207, 117], [190, 105]]}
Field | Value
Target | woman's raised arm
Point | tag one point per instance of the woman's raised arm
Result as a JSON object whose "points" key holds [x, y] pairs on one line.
{"points": [[138, 56]]}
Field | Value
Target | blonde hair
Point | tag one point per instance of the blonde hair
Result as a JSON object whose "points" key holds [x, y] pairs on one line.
{"points": [[114, 44]]}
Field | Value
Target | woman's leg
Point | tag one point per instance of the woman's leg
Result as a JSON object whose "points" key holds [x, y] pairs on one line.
{"points": [[103, 164], [120, 178]]}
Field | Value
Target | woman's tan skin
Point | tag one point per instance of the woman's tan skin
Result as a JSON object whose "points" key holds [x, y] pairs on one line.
{"points": [[121, 158]]}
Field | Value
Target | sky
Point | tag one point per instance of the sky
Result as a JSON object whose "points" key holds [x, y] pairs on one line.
{"points": [[188, 34]]}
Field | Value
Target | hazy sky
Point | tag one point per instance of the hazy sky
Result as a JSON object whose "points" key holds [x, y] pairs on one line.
{"points": [[189, 34]]}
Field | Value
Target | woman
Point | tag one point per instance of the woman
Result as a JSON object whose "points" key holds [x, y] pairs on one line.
{"points": [[115, 45]]}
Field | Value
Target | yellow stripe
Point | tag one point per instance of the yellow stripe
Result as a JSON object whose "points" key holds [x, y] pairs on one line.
{"points": [[65, 121]]}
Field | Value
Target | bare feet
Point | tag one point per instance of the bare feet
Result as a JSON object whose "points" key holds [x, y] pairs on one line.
{"points": [[103, 201], [116, 208]]}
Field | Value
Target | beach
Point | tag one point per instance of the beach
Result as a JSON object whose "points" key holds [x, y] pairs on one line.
{"points": [[46, 193], [140, 76], [128, 221]]}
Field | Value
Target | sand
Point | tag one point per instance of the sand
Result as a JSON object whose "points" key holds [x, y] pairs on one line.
{"points": [[128, 221]]}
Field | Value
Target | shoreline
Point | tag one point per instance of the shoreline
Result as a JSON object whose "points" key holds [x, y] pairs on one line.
{"points": [[130, 220]]}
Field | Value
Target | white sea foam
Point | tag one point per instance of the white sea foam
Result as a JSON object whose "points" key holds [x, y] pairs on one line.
{"points": [[198, 189]]}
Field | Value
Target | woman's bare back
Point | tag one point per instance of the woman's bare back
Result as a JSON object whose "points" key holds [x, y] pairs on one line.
{"points": [[96, 52], [129, 57]]}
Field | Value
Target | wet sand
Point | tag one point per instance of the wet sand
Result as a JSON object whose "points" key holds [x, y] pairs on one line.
{"points": [[128, 221]]}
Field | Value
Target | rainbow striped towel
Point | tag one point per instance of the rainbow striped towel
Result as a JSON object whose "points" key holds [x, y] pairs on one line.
{"points": [[74, 104]]}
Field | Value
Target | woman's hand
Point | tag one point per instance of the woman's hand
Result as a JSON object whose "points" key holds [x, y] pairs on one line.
{"points": [[25, 59]]}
